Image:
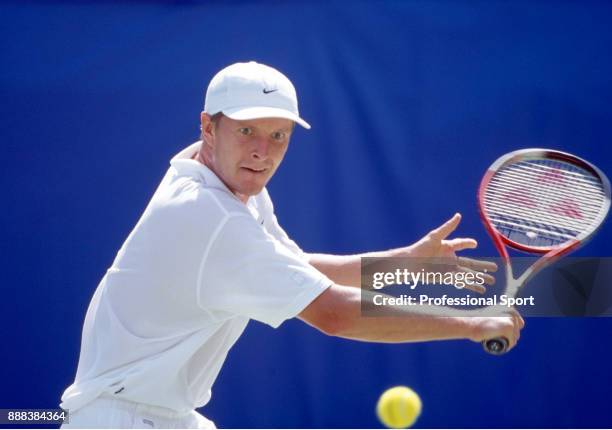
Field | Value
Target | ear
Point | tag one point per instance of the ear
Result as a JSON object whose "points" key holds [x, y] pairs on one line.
{"points": [[208, 128]]}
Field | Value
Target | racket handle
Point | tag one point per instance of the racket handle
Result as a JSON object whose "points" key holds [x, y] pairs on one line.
{"points": [[497, 346]]}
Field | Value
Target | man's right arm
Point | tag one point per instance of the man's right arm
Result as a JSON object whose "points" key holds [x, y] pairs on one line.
{"points": [[337, 312]]}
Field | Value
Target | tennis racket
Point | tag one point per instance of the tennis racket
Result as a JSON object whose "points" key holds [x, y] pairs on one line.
{"points": [[541, 202]]}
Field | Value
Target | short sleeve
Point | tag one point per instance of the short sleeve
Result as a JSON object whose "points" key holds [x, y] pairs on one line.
{"points": [[247, 271]]}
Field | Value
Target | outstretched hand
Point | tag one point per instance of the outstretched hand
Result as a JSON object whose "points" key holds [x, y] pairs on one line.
{"points": [[435, 245]]}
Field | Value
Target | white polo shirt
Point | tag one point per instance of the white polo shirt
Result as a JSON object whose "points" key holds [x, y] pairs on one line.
{"points": [[198, 265]]}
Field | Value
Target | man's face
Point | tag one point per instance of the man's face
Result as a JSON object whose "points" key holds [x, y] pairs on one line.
{"points": [[245, 154]]}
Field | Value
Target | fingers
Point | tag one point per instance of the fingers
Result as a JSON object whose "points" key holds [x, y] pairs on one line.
{"points": [[477, 278], [475, 288], [461, 243], [517, 330], [520, 322], [447, 228], [517, 325], [481, 269], [478, 265], [480, 273], [508, 326]]}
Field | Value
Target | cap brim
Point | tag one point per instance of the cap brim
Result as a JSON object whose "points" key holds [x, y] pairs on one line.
{"points": [[263, 112]]}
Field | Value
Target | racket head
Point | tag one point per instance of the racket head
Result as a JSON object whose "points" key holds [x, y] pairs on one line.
{"points": [[542, 201]]}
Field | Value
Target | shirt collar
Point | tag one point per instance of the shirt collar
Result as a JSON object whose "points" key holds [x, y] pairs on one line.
{"points": [[186, 165]]}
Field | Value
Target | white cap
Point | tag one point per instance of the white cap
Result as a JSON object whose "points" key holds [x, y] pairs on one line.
{"points": [[250, 91]]}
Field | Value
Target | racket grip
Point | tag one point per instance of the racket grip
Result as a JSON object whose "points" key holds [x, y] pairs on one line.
{"points": [[497, 346]]}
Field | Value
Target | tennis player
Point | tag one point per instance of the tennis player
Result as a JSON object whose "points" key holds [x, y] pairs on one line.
{"points": [[208, 255]]}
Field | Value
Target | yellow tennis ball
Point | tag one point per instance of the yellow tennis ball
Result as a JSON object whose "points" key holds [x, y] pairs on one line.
{"points": [[398, 407]]}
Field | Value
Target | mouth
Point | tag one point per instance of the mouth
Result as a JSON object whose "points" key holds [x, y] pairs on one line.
{"points": [[255, 170]]}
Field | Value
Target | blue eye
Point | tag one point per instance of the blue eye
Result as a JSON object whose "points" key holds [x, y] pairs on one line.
{"points": [[279, 135]]}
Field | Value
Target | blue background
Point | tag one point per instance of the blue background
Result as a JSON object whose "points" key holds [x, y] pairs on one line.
{"points": [[409, 102]]}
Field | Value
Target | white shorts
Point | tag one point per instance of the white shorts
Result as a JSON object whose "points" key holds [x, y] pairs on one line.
{"points": [[106, 412]]}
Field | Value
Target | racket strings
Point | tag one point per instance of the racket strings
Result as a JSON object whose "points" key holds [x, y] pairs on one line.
{"points": [[549, 174], [536, 189], [543, 202], [576, 211], [577, 216], [557, 182], [584, 191]]}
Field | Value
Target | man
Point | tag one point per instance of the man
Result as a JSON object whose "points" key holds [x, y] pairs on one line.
{"points": [[208, 254]]}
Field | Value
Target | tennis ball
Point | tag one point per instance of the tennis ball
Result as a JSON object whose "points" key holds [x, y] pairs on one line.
{"points": [[398, 407]]}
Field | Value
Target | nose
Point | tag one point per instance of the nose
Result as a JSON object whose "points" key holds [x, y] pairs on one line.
{"points": [[261, 147]]}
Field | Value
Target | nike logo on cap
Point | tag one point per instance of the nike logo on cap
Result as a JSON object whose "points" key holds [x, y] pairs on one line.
{"points": [[266, 91]]}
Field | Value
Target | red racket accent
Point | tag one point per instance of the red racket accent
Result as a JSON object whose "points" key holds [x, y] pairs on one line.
{"points": [[541, 202]]}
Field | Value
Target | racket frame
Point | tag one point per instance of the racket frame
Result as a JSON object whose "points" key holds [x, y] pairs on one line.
{"points": [[549, 254]]}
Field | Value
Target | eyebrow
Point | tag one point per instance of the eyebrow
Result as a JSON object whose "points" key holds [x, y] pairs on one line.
{"points": [[284, 129]]}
